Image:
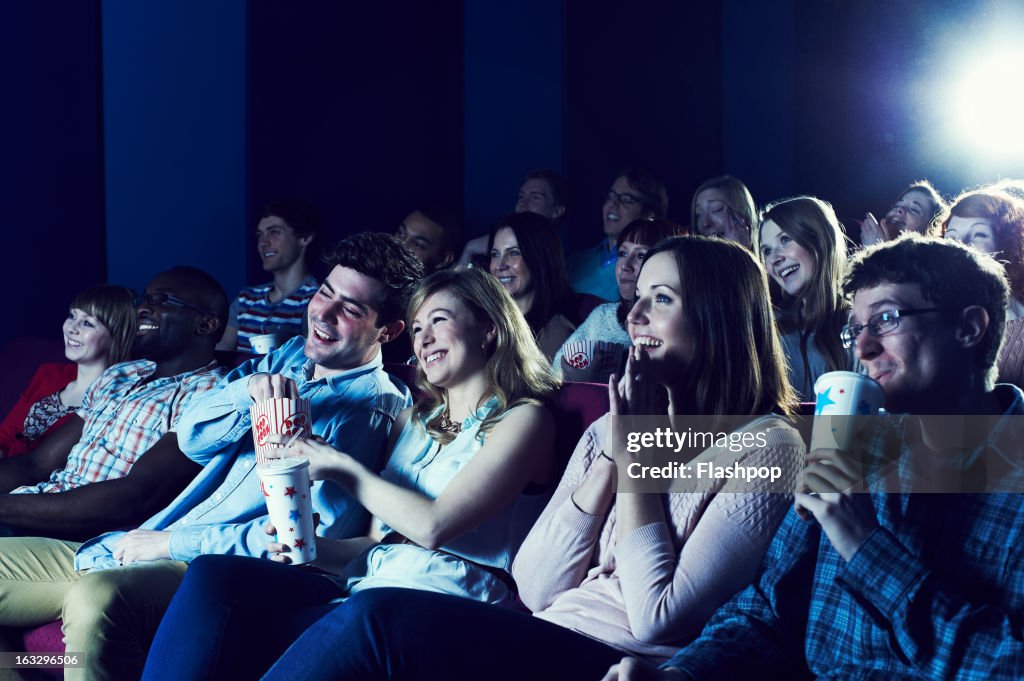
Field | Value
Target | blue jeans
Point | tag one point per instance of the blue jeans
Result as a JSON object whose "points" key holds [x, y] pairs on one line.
{"points": [[233, 617], [406, 634]]}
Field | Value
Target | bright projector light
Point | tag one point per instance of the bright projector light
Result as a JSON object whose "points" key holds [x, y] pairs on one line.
{"points": [[989, 105]]}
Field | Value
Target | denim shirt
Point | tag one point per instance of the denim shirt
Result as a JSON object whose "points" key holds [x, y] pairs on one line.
{"points": [[222, 511]]}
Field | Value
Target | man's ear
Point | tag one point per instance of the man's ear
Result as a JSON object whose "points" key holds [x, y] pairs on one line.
{"points": [[974, 321], [558, 212], [391, 331], [208, 325], [449, 258]]}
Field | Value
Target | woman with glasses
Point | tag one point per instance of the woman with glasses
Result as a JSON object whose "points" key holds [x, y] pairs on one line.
{"points": [[634, 195], [527, 259], [723, 207], [607, 571], [916, 210], [98, 333], [803, 247], [607, 322]]}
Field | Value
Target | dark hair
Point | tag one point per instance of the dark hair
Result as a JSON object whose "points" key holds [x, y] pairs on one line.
{"points": [[949, 274], [449, 223], [386, 259], [738, 365], [646, 233], [542, 254], [301, 216], [114, 307], [205, 292], [516, 372], [1006, 214], [650, 189], [559, 186], [821, 310]]}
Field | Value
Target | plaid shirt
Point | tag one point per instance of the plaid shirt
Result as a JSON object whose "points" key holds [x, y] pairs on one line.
{"points": [[936, 591], [125, 414]]}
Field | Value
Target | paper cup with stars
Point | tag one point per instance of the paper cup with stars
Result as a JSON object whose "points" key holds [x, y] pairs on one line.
{"points": [[277, 416], [285, 487], [843, 402]]}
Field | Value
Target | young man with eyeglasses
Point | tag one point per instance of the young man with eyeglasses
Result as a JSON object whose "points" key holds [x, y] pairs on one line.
{"points": [[112, 590], [635, 195], [897, 583], [116, 461]]}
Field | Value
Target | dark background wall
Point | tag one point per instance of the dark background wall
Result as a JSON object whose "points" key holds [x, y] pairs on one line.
{"points": [[51, 173], [141, 135]]}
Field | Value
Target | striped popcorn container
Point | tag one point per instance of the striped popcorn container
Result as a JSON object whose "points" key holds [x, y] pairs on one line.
{"points": [[592, 360], [277, 417]]}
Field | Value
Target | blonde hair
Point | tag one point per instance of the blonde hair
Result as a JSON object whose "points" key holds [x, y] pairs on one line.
{"points": [[516, 372]]}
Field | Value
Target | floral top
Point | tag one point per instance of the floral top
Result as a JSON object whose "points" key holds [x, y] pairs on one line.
{"points": [[44, 414]]}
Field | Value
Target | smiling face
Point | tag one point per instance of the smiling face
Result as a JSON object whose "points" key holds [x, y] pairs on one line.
{"points": [[714, 217], [916, 361], [788, 263], [426, 239], [535, 196], [343, 325], [911, 213], [166, 330], [277, 244], [449, 341], [508, 265], [974, 232], [622, 205], [657, 321], [630, 257], [86, 339]]}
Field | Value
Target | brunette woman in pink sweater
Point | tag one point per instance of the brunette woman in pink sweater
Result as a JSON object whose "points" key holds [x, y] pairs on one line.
{"points": [[609, 569]]}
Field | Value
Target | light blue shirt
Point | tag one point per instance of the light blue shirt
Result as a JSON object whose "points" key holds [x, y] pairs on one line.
{"points": [[420, 463], [222, 511]]}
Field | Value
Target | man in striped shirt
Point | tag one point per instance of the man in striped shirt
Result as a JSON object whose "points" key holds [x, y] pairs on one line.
{"points": [[285, 238], [116, 461]]}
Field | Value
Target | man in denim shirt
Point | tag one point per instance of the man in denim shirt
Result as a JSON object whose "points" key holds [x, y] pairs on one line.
{"points": [[112, 590], [897, 585]]}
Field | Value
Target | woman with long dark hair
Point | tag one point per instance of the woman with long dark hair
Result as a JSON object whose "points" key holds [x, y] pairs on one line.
{"points": [[803, 247]]}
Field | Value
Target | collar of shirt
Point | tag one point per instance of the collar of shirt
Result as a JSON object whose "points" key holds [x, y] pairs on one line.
{"points": [[337, 380]]}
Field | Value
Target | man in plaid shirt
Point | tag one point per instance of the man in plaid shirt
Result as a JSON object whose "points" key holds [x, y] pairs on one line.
{"points": [[116, 461], [895, 585]]}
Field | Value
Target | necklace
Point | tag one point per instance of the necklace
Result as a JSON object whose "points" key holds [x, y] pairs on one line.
{"points": [[446, 424]]}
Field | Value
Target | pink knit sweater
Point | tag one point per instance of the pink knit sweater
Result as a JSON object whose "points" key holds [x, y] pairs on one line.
{"points": [[652, 592]]}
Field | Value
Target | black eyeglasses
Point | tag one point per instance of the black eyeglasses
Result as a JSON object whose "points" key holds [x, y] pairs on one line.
{"points": [[623, 199], [157, 299], [880, 324]]}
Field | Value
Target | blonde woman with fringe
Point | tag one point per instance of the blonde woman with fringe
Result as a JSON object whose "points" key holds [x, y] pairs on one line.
{"points": [[468, 466], [803, 247]]}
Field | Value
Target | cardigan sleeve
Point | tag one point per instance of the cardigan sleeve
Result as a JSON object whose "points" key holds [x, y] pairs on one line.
{"points": [[559, 550], [670, 593]]}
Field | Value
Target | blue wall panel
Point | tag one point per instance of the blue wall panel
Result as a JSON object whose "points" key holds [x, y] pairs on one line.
{"points": [[175, 134]]}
